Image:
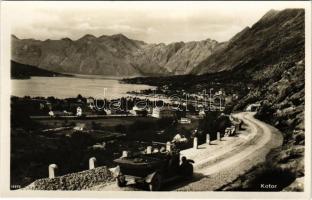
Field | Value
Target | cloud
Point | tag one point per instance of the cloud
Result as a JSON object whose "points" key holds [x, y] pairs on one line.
{"points": [[153, 22]]}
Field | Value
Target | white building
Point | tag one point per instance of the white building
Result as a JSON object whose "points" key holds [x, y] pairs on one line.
{"points": [[138, 111], [79, 112], [51, 113], [156, 112], [108, 112], [79, 127], [179, 138], [185, 120], [201, 113], [162, 113]]}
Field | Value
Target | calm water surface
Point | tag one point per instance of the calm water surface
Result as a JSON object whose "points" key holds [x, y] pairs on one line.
{"points": [[63, 87]]}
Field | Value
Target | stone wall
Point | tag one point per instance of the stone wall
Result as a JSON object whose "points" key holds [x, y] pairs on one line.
{"points": [[75, 181]]}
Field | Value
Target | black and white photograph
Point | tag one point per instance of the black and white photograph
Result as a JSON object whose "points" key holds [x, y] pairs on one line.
{"points": [[156, 96]]}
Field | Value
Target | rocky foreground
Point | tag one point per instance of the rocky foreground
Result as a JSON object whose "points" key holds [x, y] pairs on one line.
{"points": [[75, 181]]}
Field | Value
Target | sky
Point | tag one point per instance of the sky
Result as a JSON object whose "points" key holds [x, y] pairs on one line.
{"points": [[152, 22]]}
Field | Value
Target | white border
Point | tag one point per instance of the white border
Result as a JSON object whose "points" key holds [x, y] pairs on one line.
{"points": [[5, 136]]}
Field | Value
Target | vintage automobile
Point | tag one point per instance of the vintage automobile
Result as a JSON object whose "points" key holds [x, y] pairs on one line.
{"points": [[153, 169]]}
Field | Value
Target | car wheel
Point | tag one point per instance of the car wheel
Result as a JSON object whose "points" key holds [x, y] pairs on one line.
{"points": [[191, 171], [188, 171], [155, 184], [121, 182]]}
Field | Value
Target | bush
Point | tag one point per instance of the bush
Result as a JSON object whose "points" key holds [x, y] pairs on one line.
{"points": [[270, 175]]}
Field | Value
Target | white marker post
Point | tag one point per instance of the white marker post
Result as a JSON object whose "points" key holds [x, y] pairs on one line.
{"points": [[149, 150], [208, 138], [52, 170], [195, 143], [168, 146], [124, 154], [218, 136], [226, 132], [236, 127], [233, 130], [92, 163]]}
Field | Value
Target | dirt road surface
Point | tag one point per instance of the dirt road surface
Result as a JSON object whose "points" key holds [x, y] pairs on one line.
{"points": [[221, 162]]}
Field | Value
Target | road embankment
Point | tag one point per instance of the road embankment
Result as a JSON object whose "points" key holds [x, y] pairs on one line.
{"points": [[260, 138]]}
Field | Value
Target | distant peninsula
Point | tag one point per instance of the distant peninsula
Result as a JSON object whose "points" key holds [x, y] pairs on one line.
{"points": [[21, 71]]}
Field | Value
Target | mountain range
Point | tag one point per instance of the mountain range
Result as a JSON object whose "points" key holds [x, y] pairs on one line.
{"points": [[114, 55], [276, 37]]}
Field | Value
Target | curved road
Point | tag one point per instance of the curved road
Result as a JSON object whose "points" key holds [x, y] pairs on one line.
{"points": [[221, 163]]}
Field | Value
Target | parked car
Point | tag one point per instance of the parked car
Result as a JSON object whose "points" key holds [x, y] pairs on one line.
{"points": [[153, 169]]}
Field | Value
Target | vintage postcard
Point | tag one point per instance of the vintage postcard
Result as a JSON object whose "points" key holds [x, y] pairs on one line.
{"points": [[177, 99]]}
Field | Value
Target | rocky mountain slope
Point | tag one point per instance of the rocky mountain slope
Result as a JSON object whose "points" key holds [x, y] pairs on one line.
{"points": [[114, 55], [276, 36], [278, 84], [177, 58], [283, 106]]}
